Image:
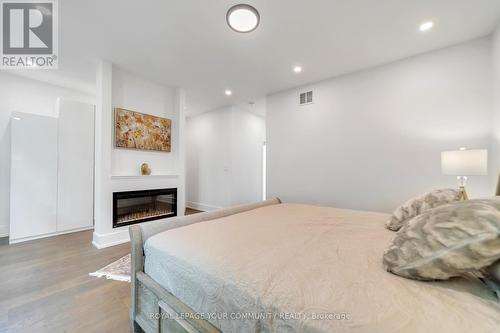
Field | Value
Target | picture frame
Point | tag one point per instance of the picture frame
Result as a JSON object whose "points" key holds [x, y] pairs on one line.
{"points": [[136, 130]]}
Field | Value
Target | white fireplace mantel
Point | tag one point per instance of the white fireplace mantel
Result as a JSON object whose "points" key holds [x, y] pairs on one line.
{"points": [[141, 177]]}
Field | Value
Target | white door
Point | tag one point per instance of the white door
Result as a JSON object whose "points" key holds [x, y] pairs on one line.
{"points": [[33, 186], [76, 166]]}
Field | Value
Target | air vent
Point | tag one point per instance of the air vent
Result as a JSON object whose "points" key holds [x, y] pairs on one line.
{"points": [[306, 98]]}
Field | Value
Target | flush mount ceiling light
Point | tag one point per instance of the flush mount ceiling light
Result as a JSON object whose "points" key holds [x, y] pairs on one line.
{"points": [[243, 18], [228, 92], [426, 26], [297, 69]]}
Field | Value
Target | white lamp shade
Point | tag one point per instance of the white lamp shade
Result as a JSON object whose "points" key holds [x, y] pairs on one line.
{"points": [[464, 162]]}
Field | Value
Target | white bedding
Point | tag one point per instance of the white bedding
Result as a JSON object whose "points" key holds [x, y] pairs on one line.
{"points": [[298, 261]]}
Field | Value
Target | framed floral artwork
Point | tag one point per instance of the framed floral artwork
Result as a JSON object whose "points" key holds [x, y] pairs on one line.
{"points": [[137, 130]]}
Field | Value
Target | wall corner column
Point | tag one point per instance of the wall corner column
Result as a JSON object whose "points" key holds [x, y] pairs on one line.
{"points": [[180, 110], [103, 146]]}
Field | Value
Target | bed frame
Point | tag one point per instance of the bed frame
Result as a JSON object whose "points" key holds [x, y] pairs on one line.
{"points": [[153, 308]]}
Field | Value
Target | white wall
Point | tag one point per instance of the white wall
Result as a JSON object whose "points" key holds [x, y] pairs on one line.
{"points": [[119, 169], [373, 139], [248, 137], [137, 94], [24, 95], [208, 159], [495, 152], [224, 158]]}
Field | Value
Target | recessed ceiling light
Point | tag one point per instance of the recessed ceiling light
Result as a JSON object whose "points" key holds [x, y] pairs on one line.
{"points": [[426, 26], [243, 18], [297, 69], [228, 92]]}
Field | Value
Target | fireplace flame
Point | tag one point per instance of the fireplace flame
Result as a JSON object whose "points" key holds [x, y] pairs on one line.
{"points": [[136, 216]]}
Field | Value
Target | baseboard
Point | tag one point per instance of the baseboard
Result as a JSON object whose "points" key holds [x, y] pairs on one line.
{"points": [[52, 234], [4, 230], [202, 207], [102, 241]]}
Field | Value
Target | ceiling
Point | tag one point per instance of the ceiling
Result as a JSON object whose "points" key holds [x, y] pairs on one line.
{"points": [[186, 43]]}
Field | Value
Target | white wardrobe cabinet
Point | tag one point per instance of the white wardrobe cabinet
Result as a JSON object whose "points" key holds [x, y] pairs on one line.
{"points": [[33, 176], [52, 172], [75, 186]]}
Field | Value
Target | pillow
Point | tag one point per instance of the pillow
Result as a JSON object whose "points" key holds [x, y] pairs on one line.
{"points": [[447, 241], [494, 271], [420, 204]]}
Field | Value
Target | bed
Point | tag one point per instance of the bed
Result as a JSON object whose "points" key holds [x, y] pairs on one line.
{"points": [[274, 267]]}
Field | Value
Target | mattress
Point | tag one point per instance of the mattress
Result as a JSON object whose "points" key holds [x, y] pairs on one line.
{"points": [[301, 268]]}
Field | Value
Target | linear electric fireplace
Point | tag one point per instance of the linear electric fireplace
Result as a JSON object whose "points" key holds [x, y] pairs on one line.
{"points": [[140, 206]]}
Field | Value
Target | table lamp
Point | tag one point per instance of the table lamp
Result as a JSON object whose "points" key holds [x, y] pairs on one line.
{"points": [[463, 163]]}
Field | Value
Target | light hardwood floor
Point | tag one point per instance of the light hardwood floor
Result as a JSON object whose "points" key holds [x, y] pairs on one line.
{"points": [[45, 286], [190, 211]]}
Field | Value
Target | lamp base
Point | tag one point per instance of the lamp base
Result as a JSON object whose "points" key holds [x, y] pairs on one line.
{"points": [[462, 180], [463, 193]]}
